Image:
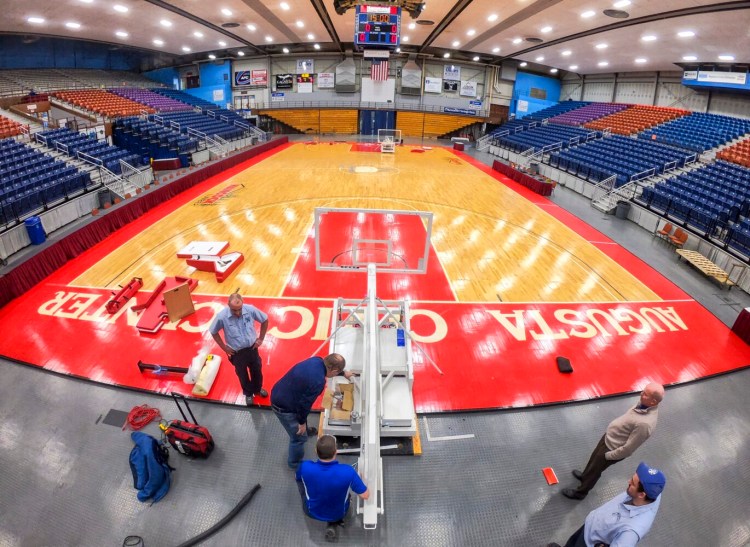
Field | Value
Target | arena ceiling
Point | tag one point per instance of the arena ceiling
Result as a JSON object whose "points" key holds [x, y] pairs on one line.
{"points": [[579, 36]]}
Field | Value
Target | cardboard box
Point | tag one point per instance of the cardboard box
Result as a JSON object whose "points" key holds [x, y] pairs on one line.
{"points": [[340, 402]]}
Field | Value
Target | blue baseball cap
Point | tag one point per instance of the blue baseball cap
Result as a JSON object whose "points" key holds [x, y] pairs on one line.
{"points": [[652, 479]]}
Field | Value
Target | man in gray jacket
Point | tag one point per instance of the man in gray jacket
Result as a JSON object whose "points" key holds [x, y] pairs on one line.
{"points": [[623, 436]]}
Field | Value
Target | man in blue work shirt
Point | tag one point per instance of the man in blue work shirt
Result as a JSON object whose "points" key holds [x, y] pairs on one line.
{"points": [[626, 518], [294, 394], [324, 486], [241, 343]]}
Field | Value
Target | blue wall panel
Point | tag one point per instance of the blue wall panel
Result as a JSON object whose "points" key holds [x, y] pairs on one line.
{"points": [[522, 92], [214, 77], [43, 52], [168, 76]]}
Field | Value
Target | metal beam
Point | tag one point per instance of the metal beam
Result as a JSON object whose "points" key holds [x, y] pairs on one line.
{"points": [[325, 18]]}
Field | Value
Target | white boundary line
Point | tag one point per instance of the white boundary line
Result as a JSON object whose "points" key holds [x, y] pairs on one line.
{"points": [[444, 438]]}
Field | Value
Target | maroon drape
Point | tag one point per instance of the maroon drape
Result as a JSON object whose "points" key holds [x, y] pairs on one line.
{"points": [[535, 185]]}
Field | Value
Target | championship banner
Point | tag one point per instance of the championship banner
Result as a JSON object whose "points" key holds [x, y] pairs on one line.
{"points": [[451, 72], [305, 83], [284, 81]]}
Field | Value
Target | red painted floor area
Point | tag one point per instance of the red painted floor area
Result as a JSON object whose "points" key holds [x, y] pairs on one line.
{"points": [[492, 355]]}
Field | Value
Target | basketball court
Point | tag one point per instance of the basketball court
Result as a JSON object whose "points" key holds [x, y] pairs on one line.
{"points": [[510, 281]]}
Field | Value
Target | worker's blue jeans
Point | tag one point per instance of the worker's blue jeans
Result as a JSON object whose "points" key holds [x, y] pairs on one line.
{"points": [[296, 442]]}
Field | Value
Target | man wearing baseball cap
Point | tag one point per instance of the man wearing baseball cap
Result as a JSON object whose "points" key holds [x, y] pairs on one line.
{"points": [[626, 518]]}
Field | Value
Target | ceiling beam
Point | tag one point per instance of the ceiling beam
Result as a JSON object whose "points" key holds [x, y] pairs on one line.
{"points": [[325, 18], [455, 11]]}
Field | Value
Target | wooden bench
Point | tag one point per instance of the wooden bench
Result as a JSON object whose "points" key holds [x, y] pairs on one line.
{"points": [[708, 268]]}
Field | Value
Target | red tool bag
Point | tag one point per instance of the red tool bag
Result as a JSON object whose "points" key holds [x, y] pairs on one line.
{"points": [[186, 437]]}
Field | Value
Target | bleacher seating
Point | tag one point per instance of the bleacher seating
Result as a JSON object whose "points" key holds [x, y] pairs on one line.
{"points": [[187, 98], [622, 156], [710, 199], [156, 101], [545, 135], [17, 82], [148, 139], [103, 102], [738, 153], [30, 180], [587, 113], [75, 144], [636, 118], [9, 128], [202, 123], [554, 110], [699, 132]]}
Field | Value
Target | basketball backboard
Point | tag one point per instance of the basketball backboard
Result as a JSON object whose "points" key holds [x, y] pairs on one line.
{"points": [[350, 239]]}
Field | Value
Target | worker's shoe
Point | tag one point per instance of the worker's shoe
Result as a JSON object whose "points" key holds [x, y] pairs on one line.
{"points": [[332, 533], [312, 431], [572, 494], [577, 474], [249, 400], [262, 393]]}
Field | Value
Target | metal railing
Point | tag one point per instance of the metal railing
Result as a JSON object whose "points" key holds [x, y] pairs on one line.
{"points": [[603, 188], [135, 176], [362, 105], [483, 143]]}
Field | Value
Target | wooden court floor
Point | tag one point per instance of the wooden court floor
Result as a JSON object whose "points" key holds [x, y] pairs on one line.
{"points": [[492, 246], [512, 282]]}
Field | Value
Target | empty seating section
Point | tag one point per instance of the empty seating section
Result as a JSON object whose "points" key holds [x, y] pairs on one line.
{"points": [[76, 144], [152, 140], [9, 128], [636, 118], [17, 82], [409, 123], [183, 121], [340, 121], [712, 199], [228, 116], [699, 132], [738, 153], [546, 135], [103, 102], [629, 159], [186, 98], [588, 113], [555, 110], [29, 180], [149, 98]]}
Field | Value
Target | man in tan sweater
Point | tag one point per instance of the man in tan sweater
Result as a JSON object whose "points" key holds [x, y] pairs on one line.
{"points": [[623, 436]]}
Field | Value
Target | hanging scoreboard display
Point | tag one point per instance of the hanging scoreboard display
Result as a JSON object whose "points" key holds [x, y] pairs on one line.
{"points": [[377, 26]]}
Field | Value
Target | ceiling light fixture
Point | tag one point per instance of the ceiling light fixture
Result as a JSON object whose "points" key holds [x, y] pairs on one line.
{"points": [[621, 4], [165, 23], [686, 34], [603, 63], [404, 38], [446, 55], [471, 32], [689, 58], [495, 50], [573, 67], [412, 26], [222, 43], [398, 50], [121, 34], [601, 46], [158, 42], [240, 53], [523, 64], [641, 60], [456, 43], [251, 27], [284, 6], [475, 58], [492, 17], [285, 50], [546, 29], [212, 56], [540, 59], [726, 57], [648, 38], [587, 14], [566, 53], [120, 8], [269, 38], [517, 40], [316, 46], [35, 20], [300, 24], [87, 1], [227, 12], [553, 70], [186, 49], [198, 34], [311, 36], [72, 25]]}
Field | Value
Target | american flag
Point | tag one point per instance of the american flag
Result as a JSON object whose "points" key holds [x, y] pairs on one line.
{"points": [[379, 70]]}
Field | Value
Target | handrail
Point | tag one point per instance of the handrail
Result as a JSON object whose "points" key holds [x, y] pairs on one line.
{"points": [[83, 156], [135, 176], [483, 142], [603, 187], [643, 175]]}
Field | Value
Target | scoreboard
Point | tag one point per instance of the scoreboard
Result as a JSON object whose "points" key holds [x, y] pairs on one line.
{"points": [[377, 26]]}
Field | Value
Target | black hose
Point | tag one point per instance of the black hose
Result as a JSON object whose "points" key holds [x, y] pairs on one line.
{"points": [[216, 527]]}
